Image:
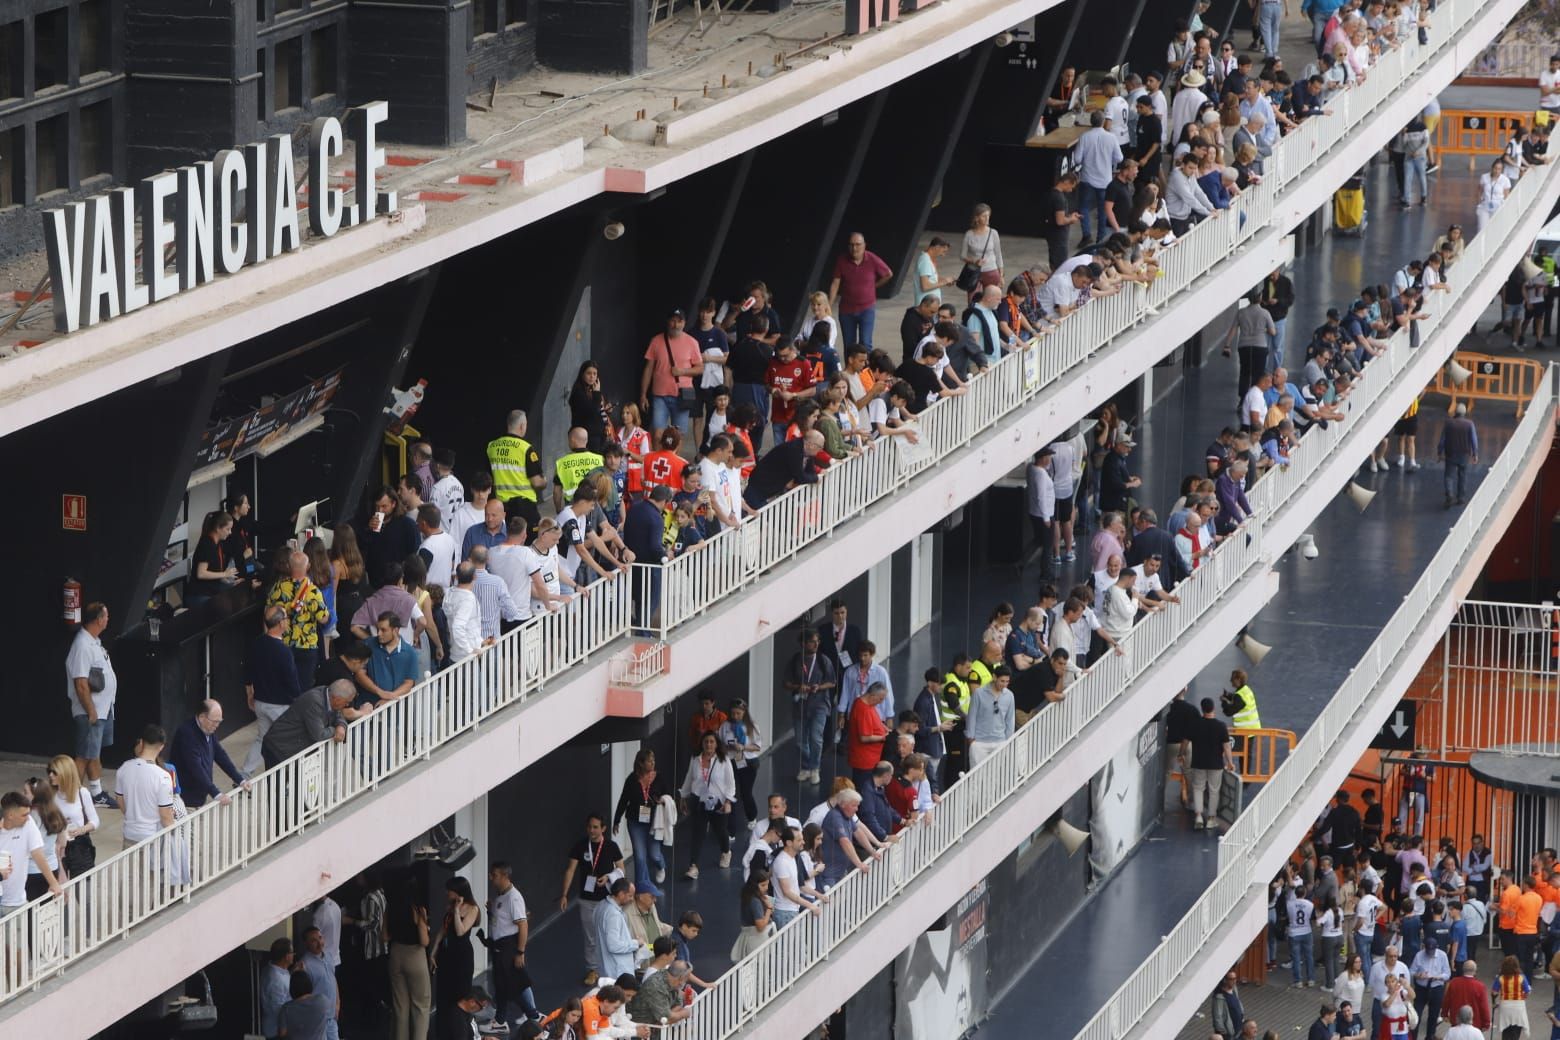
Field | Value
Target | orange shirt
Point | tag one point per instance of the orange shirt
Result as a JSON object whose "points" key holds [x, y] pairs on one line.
{"points": [[594, 1023], [1508, 906], [747, 441], [864, 722], [1528, 906]]}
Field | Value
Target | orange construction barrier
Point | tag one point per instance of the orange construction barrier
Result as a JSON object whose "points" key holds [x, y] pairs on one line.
{"points": [[1491, 378], [1257, 752], [1474, 133]]}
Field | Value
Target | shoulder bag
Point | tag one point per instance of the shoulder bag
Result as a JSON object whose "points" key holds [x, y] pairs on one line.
{"points": [[687, 396], [80, 853], [969, 274]]}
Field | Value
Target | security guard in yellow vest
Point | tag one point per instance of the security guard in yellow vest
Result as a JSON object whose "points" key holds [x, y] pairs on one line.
{"points": [[517, 468], [570, 469], [1244, 701], [953, 706]]}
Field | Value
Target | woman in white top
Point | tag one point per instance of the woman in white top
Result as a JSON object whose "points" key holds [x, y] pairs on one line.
{"points": [[707, 793], [821, 314], [743, 744], [51, 824], [983, 246], [1350, 985], [1330, 920], [1493, 187], [72, 799], [1150, 208]]}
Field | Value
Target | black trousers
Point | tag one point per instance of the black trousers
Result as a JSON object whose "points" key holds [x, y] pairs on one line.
{"points": [[1253, 362]]}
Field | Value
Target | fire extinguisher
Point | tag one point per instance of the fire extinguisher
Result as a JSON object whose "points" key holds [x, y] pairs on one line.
{"points": [[72, 601]]}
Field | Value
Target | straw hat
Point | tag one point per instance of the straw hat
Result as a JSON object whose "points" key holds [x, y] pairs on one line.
{"points": [[1193, 79]]}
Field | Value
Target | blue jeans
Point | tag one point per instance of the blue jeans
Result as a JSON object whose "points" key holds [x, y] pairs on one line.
{"points": [[1275, 357], [1300, 955], [857, 328], [1414, 172], [1091, 207], [1269, 15], [1318, 31], [783, 917], [647, 853], [664, 411], [809, 735]]}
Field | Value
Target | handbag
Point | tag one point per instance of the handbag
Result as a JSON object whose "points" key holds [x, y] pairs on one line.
{"points": [[80, 853], [95, 679], [200, 1015], [969, 274], [687, 396]]}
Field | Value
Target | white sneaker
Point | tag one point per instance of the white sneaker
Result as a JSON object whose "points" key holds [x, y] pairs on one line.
{"points": [[692, 873], [1371, 465], [1412, 465], [815, 777], [725, 860], [803, 776], [660, 875], [1400, 462]]}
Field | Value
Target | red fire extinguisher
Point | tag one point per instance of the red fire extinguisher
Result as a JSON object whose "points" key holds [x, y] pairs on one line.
{"points": [[72, 601]]}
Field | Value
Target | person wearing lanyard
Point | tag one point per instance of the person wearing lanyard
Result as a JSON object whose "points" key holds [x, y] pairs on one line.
{"points": [[707, 793], [859, 678], [599, 862], [812, 683], [840, 635], [642, 792]]}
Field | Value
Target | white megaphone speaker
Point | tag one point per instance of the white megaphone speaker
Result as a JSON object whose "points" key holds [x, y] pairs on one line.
{"points": [[1458, 373], [1307, 544], [1359, 496], [1072, 838], [1255, 651]]}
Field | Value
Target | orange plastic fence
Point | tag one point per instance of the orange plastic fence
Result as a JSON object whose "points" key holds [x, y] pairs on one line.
{"points": [[1466, 132], [1490, 378]]}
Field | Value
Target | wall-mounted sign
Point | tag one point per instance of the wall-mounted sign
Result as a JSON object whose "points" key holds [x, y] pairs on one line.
{"points": [[218, 217], [233, 439], [73, 512]]}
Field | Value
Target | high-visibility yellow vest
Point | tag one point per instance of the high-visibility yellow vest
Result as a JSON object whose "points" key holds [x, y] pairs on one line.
{"points": [[570, 469], [980, 674], [962, 686], [1246, 717], [507, 459]]}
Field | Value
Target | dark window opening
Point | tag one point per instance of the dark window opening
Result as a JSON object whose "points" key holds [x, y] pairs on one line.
{"points": [[260, 12], [283, 6], [93, 39], [51, 60], [97, 139], [53, 154], [287, 77], [322, 62], [484, 16], [261, 112], [13, 166], [11, 82]]}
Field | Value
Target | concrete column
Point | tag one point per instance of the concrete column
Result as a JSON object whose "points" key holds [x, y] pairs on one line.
{"points": [[761, 687], [923, 564], [472, 822], [879, 625]]}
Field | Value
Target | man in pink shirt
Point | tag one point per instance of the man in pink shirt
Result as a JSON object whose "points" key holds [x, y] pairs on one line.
{"points": [[671, 362], [858, 275]]}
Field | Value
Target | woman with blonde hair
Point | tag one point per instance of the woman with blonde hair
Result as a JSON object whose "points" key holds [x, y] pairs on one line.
{"points": [[820, 313], [983, 247], [74, 802]]}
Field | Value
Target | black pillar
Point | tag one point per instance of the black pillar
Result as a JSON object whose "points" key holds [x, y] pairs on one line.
{"points": [[609, 36], [412, 53]]}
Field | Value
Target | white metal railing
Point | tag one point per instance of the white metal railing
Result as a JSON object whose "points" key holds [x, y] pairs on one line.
{"points": [[1239, 872], [126, 889], [770, 970], [1279, 485]]}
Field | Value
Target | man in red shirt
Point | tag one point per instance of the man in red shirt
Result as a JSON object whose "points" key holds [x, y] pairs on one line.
{"points": [[858, 275], [789, 380], [864, 735], [672, 360]]}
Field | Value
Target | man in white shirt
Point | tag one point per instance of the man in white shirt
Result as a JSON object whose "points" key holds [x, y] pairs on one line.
{"points": [[514, 561], [1388, 965], [1150, 586], [1040, 493], [1120, 606], [1060, 296], [473, 513], [145, 789], [20, 842], [447, 493], [463, 612], [790, 896], [1117, 112], [1254, 406], [1549, 88], [716, 477], [92, 710], [438, 549], [508, 931], [777, 817], [1365, 913]]}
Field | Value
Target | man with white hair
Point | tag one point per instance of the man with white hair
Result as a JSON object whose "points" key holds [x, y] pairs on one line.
{"points": [[1465, 1029], [841, 830], [1458, 448], [1388, 965]]}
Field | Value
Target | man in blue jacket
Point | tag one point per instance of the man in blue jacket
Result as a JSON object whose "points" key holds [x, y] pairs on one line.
{"points": [[1320, 11], [195, 751]]}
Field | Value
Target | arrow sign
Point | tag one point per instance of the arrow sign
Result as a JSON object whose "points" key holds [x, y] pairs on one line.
{"points": [[1397, 733]]}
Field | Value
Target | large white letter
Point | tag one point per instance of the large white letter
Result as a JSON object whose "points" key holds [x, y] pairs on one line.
{"points": [[369, 157], [257, 202], [284, 198], [232, 235], [324, 201], [62, 232], [156, 236], [99, 284], [132, 294], [194, 220]]}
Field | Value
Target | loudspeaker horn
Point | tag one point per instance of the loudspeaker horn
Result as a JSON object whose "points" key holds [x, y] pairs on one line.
{"points": [[1307, 544], [1359, 496], [1072, 838], [1254, 650], [1459, 374]]}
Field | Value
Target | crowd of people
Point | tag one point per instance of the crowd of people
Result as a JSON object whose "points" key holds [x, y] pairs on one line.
{"points": [[1392, 929]]}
